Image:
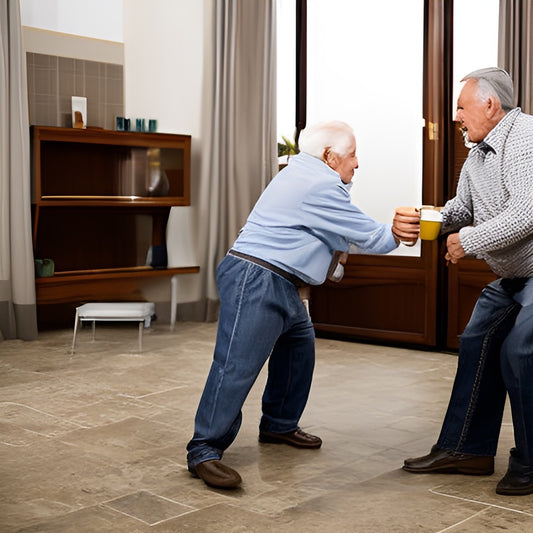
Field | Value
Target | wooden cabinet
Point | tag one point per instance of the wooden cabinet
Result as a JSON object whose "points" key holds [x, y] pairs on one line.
{"points": [[100, 202]]}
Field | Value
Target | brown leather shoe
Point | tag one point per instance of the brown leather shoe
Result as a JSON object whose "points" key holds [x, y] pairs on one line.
{"points": [[515, 485], [449, 462], [298, 439], [216, 474]]}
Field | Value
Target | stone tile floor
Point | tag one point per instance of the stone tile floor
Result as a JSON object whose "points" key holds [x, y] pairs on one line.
{"points": [[95, 442]]}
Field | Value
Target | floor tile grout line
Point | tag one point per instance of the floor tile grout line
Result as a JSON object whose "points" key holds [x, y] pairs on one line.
{"points": [[4, 443], [462, 521], [108, 503], [142, 396], [480, 502], [126, 514], [81, 426], [173, 517]]}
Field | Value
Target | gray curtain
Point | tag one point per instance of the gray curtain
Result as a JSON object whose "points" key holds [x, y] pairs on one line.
{"points": [[239, 151], [18, 317], [515, 48]]}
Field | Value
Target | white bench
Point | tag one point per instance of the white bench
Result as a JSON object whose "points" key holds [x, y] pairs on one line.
{"points": [[141, 312]]}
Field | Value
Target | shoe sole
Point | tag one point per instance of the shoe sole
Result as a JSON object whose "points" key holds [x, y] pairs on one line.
{"points": [[515, 492], [463, 469], [267, 439]]}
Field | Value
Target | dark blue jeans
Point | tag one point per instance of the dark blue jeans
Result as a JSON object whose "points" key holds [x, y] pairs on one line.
{"points": [[495, 359], [261, 316]]}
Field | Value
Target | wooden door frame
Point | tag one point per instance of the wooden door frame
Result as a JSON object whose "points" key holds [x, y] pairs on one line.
{"points": [[438, 138]]}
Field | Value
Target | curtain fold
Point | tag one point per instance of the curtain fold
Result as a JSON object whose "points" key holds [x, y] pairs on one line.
{"points": [[239, 151], [515, 48], [18, 318]]}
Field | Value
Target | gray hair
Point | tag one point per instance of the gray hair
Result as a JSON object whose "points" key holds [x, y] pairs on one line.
{"points": [[494, 82], [336, 136]]}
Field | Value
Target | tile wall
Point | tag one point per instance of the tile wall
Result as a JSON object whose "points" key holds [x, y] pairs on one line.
{"points": [[53, 80]]}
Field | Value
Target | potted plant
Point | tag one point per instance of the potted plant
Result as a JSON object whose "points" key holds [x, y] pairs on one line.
{"points": [[285, 150]]}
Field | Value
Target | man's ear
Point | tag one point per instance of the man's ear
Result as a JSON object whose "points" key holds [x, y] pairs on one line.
{"points": [[331, 159], [493, 107]]}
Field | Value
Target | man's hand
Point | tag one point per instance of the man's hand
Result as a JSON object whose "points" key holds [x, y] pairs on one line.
{"points": [[406, 225], [455, 250]]}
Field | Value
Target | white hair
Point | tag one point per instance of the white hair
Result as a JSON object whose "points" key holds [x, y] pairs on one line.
{"points": [[335, 136], [494, 83], [485, 90]]}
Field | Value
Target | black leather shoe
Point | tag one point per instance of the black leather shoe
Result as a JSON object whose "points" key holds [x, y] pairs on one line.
{"points": [[449, 462], [513, 484], [215, 474], [298, 439]]}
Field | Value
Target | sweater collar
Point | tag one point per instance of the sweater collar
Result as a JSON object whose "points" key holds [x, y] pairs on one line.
{"points": [[495, 139]]}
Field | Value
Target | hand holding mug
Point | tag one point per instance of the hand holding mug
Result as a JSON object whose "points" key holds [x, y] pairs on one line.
{"points": [[405, 225]]}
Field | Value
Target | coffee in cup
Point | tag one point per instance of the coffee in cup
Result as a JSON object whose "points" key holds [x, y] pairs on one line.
{"points": [[430, 223]]}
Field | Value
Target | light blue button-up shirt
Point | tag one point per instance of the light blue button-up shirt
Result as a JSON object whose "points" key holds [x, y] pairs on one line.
{"points": [[303, 216]]}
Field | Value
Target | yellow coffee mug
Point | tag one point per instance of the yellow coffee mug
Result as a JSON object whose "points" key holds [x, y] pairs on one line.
{"points": [[430, 222]]}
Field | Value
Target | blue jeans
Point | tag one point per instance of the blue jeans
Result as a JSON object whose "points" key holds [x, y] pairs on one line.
{"points": [[261, 315], [495, 359]]}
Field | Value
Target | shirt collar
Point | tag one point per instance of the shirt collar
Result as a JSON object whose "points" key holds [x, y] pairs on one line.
{"points": [[315, 162]]}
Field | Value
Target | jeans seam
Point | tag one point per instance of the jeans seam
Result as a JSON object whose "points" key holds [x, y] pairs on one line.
{"points": [[477, 381], [287, 387], [237, 317]]}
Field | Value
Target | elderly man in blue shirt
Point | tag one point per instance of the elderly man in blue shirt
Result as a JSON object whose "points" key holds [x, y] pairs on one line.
{"points": [[302, 218]]}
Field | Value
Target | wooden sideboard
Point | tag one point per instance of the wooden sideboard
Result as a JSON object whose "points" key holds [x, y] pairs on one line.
{"points": [[100, 202]]}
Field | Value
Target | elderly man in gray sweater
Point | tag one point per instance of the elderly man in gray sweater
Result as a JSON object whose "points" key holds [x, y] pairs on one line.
{"points": [[491, 217]]}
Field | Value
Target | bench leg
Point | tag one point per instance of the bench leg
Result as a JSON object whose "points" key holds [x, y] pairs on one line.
{"points": [[94, 330], [173, 300], [141, 325], [76, 320]]}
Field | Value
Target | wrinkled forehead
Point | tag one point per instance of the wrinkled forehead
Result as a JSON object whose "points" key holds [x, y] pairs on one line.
{"points": [[468, 89]]}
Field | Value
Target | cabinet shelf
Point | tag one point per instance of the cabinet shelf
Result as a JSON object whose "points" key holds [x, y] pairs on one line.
{"points": [[110, 273], [100, 284], [100, 202], [99, 165], [118, 201]]}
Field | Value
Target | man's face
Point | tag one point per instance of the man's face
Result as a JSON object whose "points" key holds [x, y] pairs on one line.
{"points": [[473, 113], [345, 166]]}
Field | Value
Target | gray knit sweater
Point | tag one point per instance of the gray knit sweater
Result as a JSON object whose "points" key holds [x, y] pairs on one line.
{"points": [[493, 207]]}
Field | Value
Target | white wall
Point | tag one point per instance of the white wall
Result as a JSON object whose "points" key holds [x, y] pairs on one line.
{"points": [[163, 57], [98, 19]]}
